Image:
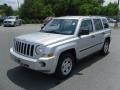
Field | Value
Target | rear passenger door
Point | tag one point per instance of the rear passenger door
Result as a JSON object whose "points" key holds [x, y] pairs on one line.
{"points": [[99, 34]]}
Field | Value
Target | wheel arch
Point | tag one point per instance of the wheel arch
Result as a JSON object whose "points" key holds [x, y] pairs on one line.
{"points": [[71, 51], [66, 48], [108, 39]]}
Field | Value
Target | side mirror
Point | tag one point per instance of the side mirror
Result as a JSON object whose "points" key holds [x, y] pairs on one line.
{"points": [[106, 25], [43, 26], [84, 32]]}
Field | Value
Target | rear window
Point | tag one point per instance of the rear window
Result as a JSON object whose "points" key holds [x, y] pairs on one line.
{"points": [[98, 24]]}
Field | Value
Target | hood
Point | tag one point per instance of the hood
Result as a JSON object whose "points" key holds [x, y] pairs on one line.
{"points": [[44, 38], [9, 20]]}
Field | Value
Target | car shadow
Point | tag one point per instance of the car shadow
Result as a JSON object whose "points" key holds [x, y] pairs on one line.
{"points": [[34, 80]]}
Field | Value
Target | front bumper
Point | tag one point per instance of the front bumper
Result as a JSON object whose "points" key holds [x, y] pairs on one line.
{"points": [[9, 24], [35, 64]]}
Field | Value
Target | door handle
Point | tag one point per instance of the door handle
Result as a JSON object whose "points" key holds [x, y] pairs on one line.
{"points": [[93, 36]]}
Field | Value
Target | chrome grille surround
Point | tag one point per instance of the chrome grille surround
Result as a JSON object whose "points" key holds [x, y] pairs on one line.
{"points": [[24, 48]]}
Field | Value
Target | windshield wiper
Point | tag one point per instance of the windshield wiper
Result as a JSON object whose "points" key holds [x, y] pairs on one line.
{"points": [[56, 32]]}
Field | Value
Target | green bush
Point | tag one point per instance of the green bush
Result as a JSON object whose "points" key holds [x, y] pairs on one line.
{"points": [[28, 21]]}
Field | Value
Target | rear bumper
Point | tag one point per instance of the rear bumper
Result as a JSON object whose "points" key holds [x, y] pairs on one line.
{"points": [[45, 65]]}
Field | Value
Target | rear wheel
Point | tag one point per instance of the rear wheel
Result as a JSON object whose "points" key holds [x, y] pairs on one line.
{"points": [[65, 65], [105, 48]]}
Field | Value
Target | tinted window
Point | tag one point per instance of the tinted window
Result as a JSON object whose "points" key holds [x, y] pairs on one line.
{"points": [[98, 24], [87, 25], [105, 23]]}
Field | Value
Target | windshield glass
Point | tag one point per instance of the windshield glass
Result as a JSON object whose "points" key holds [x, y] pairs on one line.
{"points": [[11, 17], [61, 26]]}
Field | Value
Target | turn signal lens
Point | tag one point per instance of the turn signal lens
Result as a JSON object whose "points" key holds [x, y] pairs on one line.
{"points": [[50, 55]]}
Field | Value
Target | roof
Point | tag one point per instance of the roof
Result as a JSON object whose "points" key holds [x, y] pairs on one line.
{"points": [[77, 17]]}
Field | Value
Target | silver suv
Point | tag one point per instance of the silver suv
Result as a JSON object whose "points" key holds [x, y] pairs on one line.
{"points": [[12, 21], [61, 43]]}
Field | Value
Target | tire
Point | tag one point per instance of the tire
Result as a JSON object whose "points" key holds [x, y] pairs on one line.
{"points": [[65, 65], [14, 24], [105, 49], [20, 23]]}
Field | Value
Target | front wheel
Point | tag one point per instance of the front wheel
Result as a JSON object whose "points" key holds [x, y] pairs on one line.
{"points": [[105, 48], [20, 23], [15, 24], [65, 65]]}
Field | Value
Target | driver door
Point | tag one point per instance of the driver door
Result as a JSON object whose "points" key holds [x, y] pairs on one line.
{"points": [[86, 42]]}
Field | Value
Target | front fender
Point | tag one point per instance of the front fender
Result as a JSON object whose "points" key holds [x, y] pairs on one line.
{"points": [[63, 48]]}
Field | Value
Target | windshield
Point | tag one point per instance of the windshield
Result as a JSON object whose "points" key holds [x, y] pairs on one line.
{"points": [[61, 26], [11, 17]]}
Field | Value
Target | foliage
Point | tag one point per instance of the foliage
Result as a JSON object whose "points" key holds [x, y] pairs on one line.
{"points": [[37, 10], [6, 10], [111, 9], [15, 12], [47, 11]]}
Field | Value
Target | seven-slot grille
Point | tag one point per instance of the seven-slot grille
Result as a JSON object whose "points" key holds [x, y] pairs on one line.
{"points": [[24, 48]]}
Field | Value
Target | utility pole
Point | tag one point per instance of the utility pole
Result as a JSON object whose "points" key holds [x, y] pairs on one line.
{"points": [[117, 17], [18, 4], [118, 7]]}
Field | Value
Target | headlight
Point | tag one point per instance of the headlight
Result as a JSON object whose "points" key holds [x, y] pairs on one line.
{"points": [[39, 50]]}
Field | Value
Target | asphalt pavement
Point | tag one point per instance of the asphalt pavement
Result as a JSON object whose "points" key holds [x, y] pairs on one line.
{"points": [[92, 73]]}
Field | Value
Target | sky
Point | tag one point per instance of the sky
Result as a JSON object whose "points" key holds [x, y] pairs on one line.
{"points": [[14, 3], [108, 1]]}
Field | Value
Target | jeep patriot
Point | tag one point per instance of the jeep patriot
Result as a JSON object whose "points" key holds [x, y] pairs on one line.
{"points": [[61, 43]]}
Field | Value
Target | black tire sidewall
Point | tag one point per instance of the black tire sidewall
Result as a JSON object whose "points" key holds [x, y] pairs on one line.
{"points": [[61, 60], [102, 51], [14, 24]]}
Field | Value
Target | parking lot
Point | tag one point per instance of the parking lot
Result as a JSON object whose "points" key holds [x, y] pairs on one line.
{"points": [[93, 73]]}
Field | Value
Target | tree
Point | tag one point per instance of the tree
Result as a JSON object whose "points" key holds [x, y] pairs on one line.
{"points": [[111, 9], [90, 8], [77, 7], [101, 1], [85, 9], [15, 12], [39, 9], [35, 9], [6, 10], [47, 11]]}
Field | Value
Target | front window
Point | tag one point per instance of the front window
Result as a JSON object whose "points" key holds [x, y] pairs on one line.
{"points": [[87, 25], [61, 26]]}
